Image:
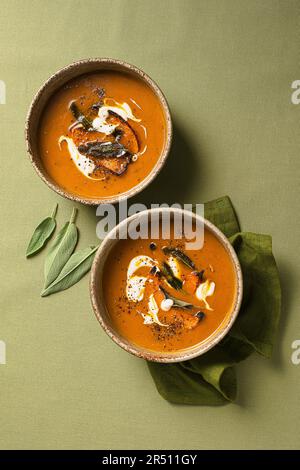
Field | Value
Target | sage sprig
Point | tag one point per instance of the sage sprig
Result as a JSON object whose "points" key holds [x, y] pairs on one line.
{"points": [[75, 268], [41, 234], [61, 250]]}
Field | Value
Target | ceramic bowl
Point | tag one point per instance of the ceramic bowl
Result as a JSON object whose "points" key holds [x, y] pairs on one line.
{"points": [[103, 316], [54, 83]]}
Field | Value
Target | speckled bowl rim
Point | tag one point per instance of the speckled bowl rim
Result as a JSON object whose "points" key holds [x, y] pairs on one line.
{"points": [[98, 62], [149, 355]]}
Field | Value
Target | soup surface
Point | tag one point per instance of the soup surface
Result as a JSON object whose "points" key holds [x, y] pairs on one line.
{"points": [[101, 134], [164, 298]]}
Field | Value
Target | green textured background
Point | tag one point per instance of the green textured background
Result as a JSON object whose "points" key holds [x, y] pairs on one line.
{"points": [[226, 68]]}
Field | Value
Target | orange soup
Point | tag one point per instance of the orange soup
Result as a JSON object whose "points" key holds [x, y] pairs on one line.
{"points": [[101, 134], [161, 297]]}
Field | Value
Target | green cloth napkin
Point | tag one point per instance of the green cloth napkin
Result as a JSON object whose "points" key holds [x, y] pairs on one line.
{"points": [[211, 379]]}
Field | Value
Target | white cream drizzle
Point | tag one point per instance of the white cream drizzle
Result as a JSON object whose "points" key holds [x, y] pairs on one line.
{"points": [[166, 304], [139, 262], [148, 320], [145, 130], [134, 102], [153, 312], [206, 289], [135, 285], [135, 288], [122, 109], [83, 163]]}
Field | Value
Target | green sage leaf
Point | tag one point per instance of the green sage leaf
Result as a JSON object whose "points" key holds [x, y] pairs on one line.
{"points": [[61, 250], [42, 234], [75, 268]]}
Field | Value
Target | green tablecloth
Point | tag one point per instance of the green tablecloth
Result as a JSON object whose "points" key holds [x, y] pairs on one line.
{"points": [[226, 68]]}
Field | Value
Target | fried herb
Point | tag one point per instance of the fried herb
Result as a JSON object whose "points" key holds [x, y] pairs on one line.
{"points": [[170, 277], [127, 130], [42, 234], [97, 106], [200, 315], [103, 149], [117, 133], [177, 302], [177, 253], [100, 92], [80, 117], [199, 274], [155, 271]]}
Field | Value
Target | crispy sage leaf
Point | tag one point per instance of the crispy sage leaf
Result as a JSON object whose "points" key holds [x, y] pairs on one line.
{"points": [[200, 315], [80, 117], [100, 92], [170, 277], [61, 250], [177, 302], [42, 234], [177, 253], [103, 149], [75, 268]]}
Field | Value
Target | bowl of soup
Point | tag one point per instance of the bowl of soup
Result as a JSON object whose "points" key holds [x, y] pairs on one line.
{"points": [[98, 130], [161, 296]]}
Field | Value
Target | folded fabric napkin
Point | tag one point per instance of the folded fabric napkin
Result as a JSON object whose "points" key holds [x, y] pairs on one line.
{"points": [[210, 379]]}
